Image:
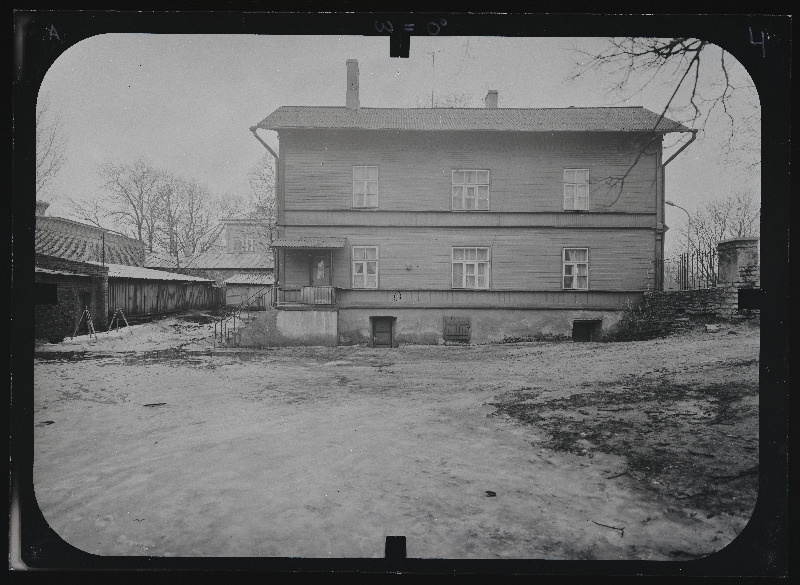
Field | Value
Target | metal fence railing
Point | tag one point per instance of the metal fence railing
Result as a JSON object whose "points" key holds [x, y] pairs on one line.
{"points": [[691, 271]]}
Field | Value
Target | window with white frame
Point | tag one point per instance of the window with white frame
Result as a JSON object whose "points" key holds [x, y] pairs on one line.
{"points": [[365, 186], [470, 267], [470, 190], [365, 267], [576, 188], [576, 268], [249, 245]]}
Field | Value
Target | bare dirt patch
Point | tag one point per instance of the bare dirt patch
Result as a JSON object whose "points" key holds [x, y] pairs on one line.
{"points": [[154, 442], [683, 442]]}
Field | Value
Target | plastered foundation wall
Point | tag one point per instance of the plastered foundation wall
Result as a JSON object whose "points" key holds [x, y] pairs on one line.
{"points": [[426, 326], [274, 328]]}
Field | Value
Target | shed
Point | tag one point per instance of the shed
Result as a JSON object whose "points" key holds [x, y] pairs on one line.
{"points": [[251, 289], [143, 292]]}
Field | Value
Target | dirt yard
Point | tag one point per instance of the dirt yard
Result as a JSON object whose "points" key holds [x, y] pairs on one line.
{"points": [[150, 442]]}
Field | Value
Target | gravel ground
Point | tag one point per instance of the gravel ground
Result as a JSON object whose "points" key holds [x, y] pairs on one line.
{"points": [[148, 441]]}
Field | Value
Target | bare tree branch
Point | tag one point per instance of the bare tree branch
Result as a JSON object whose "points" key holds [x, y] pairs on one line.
{"points": [[51, 144]]}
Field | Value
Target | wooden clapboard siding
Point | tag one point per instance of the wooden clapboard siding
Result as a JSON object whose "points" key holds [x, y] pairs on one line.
{"points": [[405, 299], [415, 169], [521, 258], [572, 219], [150, 297]]}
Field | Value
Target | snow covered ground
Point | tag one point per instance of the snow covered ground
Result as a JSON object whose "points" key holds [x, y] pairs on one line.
{"points": [[150, 442]]}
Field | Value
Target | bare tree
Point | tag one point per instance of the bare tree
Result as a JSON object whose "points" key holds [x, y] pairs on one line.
{"points": [[92, 211], [734, 216], [51, 142], [134, 197], [261, 204], [703, 80]]}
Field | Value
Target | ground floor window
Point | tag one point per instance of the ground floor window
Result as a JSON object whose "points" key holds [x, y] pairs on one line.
{"points": [[470, 267], [576, 268], [365, 267]]}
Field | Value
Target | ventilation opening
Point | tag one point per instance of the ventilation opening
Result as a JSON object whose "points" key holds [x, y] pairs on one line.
{"points": [[586, 330], [457, 329]]}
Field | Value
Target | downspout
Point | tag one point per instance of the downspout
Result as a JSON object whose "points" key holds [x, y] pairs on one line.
{"points": [[680, 150], [276, 269]]}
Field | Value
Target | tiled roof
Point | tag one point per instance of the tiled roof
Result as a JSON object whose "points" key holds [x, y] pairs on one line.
{"points": [[624, 119], [309, 242], [63, 238], [213, 259], [251, 278], [137, 272]]}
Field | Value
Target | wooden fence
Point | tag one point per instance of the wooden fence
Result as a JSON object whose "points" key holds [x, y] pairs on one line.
{"points": [[139, 297]]}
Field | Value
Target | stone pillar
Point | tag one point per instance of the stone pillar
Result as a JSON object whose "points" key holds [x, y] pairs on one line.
{"points": [[738, 267]]}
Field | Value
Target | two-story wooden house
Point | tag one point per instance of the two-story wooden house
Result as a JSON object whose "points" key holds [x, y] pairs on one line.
{"points": [[426, 224]]}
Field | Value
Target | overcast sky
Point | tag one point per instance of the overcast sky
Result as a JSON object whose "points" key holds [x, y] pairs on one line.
{"points": [[187, 102]]}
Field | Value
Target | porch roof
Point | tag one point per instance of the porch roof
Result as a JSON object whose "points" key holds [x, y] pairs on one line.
{"points": [[309, 242]]}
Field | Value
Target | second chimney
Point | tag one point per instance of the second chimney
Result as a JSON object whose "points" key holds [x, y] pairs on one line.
{"points": [[352, 84], [491, 99]]}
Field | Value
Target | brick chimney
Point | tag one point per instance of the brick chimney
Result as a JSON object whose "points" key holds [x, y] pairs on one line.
{"points": [[41, 207], [491, 99], [352, 84]]}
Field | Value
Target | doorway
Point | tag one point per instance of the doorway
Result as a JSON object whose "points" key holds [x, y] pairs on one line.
{"points": [[586, 330], [84, 302], [320, 269], [382, 331]]}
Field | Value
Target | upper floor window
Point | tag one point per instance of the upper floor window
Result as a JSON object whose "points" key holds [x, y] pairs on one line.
{"points": [[576, 188], [470, 190], [365, 267], [244, 244], [576, 268], [365, 186], [470, 267]]}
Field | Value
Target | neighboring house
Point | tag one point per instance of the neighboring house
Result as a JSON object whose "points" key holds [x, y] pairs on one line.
{"points": [[241, 253], [422, 225]]}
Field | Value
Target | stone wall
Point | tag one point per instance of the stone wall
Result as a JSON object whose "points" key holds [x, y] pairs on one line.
{"points": [[56, 321]]}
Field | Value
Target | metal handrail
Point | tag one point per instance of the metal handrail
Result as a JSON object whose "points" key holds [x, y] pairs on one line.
{"points": [[222, 324]]}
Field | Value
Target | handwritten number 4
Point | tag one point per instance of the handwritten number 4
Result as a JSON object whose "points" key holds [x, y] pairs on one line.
{"points": [[763, 42]]}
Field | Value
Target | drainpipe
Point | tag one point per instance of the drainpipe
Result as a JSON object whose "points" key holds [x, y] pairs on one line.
{"points": [[276, 270], [680, 150]]}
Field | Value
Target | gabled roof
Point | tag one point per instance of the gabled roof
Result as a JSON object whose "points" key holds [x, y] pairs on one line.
{"points": [[213, 259], [137, 272], [162, 260], [309, 242], [624, 119]]}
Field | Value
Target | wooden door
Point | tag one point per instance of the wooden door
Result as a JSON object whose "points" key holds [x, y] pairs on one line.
{"points": [[320, 270], [382, 332]]}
